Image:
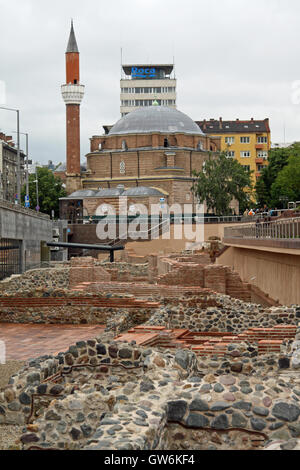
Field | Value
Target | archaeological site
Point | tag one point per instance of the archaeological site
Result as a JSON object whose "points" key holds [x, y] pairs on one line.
{"points": [[179, 354]]}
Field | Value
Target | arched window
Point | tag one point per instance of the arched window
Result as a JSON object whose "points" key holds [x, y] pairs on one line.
{"points": [[166, 143], [124, 145], [122, 168], [200, 145], [100, 146]]}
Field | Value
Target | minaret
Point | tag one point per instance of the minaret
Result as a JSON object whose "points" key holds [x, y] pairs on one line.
{"points": [[72, 93]]}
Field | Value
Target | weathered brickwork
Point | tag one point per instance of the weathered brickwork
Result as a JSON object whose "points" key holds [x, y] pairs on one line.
{"points": [[217, 278]]}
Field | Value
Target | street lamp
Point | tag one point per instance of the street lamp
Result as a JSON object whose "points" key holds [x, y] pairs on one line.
{"points": [[18, 152], [37, 190], [27, 181]]}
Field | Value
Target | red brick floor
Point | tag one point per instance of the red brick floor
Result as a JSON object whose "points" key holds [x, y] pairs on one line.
{"points": [[27, 341]]}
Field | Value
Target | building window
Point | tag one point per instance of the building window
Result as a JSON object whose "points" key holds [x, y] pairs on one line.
{"points": [[247, 167], [262, 140], [122, 168], [260, 167], [229, 140], [262, 154], [246, 154], [124, 145], [245, 140], [166, 143], [230, 154]]}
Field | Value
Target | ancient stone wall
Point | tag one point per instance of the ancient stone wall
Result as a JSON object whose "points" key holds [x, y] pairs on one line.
{"points": [[67, 307], [140, 414], [221, 313], [56, 278]]}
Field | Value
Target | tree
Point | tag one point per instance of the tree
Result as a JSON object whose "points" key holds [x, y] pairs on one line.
{"points": [[278, 159], [287, 183], [223, 180], [50, 189]]}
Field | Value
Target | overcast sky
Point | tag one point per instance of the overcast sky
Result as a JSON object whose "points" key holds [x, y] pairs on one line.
{"points": [[234, 59]]}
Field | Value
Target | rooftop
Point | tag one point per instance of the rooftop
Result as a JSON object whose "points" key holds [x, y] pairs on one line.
{"points": [[156, 119], [218, 126]]}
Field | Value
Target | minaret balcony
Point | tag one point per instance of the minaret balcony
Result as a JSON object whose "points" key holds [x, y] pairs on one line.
{"points": [[72, 93]]}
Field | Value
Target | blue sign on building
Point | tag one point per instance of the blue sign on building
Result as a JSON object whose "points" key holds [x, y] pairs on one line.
{"points": [[142, 73]]}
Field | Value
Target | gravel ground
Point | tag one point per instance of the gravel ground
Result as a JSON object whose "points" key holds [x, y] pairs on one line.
{"points": [[9, 433], [8, 436], [7, 370]]}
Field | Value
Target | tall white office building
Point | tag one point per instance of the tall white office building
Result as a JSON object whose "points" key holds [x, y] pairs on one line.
{"points": [[145, 85]]}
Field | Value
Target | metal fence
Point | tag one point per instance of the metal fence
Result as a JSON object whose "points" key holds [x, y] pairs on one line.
{"points": [[285, 229], [10, 257]]}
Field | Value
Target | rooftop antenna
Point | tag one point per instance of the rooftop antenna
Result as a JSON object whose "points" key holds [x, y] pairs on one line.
{"points": [[173, 47], [121, 62]]}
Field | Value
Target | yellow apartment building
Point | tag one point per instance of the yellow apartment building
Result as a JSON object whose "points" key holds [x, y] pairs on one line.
{"points": [[247, 141]]}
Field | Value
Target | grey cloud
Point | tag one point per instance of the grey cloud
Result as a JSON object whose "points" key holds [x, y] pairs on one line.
{"points": [[234, 58]]}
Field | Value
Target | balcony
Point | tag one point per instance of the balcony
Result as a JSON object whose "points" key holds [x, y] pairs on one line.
{"points": [[260, 146], [259, 161]]}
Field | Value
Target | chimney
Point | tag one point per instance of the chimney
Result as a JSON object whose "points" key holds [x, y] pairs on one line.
{"points": [[221, 123]]}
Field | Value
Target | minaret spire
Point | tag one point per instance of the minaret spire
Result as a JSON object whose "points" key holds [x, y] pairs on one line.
{"points": [[72, 44], [72, 93]]}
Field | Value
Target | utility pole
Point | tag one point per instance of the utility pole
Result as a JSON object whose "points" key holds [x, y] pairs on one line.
{"points": [[37, 190]]}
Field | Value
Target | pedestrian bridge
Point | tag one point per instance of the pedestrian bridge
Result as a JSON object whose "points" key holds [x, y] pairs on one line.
{"points": [[267, 254]]}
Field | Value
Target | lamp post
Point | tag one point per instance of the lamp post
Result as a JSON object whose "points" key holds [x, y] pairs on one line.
{"points": [[18, 152], [37, 190], [27, 180]]}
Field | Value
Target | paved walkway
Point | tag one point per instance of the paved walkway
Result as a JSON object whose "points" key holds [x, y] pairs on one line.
{"points": [[27, 341]]}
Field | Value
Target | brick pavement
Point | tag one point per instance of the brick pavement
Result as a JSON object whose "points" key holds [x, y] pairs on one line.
{"points": [[26, 341]]}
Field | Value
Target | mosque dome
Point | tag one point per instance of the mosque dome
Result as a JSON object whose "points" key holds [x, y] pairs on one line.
{"points": [[156, 119]]}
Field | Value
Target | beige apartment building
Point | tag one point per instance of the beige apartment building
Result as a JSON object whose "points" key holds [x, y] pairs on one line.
{"points": [[9, 168], [144, 85]]}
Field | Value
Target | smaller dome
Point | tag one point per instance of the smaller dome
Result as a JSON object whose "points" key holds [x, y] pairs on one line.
{"points": [[141, 191], [82, 193], [112, 192]]}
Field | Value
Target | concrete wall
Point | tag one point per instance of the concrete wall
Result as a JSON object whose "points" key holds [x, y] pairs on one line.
{"points": [[277, 274], [28, 226]]}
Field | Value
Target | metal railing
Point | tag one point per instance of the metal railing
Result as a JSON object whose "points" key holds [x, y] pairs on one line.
{"points": [[173, 218], [285, 229]]}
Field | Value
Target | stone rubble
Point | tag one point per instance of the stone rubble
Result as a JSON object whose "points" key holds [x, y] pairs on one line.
{"points": [[104, 394]]}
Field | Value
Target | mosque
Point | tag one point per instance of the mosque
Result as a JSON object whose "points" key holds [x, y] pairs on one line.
{"points": [[149, 155]]}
